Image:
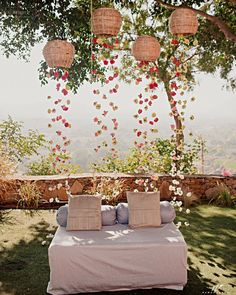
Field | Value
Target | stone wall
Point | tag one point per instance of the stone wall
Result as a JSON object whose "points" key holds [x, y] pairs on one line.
{"points": [[53, 187]]}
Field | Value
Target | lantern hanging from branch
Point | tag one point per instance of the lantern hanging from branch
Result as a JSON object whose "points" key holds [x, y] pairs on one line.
{"points": [[59, 53], [183, 22], [106, 22], [146, 48]]}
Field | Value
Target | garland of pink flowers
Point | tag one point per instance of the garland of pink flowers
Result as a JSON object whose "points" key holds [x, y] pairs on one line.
{"points": [[146, 102], [103, 102], [58, 121]]}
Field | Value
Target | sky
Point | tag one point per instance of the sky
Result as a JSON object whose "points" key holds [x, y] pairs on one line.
{"points": [[23, 98]]}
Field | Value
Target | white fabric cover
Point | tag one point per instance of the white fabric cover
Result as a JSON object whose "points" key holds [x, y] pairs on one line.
{"points": [[117, 258]]}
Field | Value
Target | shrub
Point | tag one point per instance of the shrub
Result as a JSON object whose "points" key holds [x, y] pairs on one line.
{"points": [[156, 157], [221, 196], [46, 166], [30, 195], [109, 188]]}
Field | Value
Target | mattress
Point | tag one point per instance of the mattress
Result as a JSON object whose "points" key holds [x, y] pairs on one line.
{"points": [[117, 258]]}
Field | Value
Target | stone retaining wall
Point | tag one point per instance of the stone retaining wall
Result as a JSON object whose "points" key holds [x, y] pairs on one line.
{"points": [[54, 186]]}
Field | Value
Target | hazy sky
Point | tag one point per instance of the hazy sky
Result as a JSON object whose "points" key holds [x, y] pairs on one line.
{"points": [[23, 98]]}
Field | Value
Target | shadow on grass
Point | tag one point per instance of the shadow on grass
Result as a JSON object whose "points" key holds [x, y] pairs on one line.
{"points": [[212, 238], [6, 218], [24, 269]]}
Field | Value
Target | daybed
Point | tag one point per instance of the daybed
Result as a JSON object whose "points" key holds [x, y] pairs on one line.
{"points": [[117, 258]]}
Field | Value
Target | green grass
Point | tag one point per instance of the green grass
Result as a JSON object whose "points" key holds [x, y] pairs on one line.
{"points": [[210, 237]]}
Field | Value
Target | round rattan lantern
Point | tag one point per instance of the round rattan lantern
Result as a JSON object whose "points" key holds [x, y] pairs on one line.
{"points": [[183, 22], [106, 22], [59, 53], [146, 48]]}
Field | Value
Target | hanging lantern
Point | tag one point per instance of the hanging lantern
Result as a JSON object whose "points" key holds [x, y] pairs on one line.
{"points": [[59, 53], [146, 48], [106, 22], [183, 22]]}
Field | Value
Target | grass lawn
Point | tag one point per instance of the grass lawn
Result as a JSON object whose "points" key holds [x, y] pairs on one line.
{"points": [[211, 239]]}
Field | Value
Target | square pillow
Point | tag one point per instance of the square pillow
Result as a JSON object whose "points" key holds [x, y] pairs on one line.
{"points": [[144, 209], [84, 213]]}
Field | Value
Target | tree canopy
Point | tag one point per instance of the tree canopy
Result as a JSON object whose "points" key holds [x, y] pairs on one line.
{"points": [[25, 23]]}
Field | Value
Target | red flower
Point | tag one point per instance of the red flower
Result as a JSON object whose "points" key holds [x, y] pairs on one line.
{"points": [[140, 111], [112, 61], [139, 133], [156, 120], [65, 76], [151, 122], [175, 42], [64, 91], [56, 74], [95, 40], [105, 62]]}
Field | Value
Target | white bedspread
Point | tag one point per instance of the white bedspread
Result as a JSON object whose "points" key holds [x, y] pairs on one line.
{"points": [[117, 258]]}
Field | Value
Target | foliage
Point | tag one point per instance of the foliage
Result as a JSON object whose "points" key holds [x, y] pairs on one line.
{"points": [[17, 145], [24, 24], [7, 167], [155, 157], [110, 189], [46, 166], [222, 197], [30, 195]]}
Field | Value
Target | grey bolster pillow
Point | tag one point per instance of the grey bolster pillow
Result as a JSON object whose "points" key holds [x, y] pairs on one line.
{"points": [[108, 215], [167, 212]]}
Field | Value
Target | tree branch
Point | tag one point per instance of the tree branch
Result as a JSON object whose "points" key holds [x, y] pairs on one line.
{"points": [[223, 27]]}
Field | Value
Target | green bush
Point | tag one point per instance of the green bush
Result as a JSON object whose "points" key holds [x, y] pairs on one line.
{"points": [[155, 157], [46, 165]]}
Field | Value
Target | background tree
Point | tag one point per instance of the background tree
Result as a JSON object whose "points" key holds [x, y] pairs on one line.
{"points": [[17, 145]]}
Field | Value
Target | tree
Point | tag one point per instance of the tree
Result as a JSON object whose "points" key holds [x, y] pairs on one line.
{"points": [[24, 24], [15, 144]]}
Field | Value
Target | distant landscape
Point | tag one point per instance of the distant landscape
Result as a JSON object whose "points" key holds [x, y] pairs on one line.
{"points": [[220, 139]]}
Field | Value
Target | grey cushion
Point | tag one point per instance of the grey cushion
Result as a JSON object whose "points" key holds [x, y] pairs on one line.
{"points": [[108, 215], [167, 212], [62, 213], [122, 213]]}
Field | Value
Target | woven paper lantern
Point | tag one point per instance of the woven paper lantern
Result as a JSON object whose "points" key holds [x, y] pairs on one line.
{"points": [[59, 53], [106, 22], [146, 48], [183, 22]]}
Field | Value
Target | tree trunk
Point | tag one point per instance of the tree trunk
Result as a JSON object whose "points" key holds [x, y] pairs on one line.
{"points": [[178, 122]]}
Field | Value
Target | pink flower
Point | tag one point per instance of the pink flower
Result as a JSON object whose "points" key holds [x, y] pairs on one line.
{"points": [[58, 86], [226, 173], [140, 182]]}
